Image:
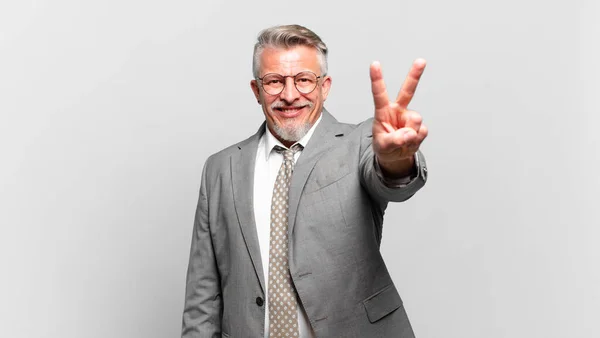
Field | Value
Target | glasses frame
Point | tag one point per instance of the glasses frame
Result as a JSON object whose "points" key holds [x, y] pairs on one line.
{"points": [[285, 82]]}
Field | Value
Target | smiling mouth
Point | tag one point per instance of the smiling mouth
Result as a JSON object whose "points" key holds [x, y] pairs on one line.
{"points": [[287, 111]]}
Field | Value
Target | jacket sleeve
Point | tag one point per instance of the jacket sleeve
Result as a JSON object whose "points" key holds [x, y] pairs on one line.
{"points": [[371, 177], [203, 301]]}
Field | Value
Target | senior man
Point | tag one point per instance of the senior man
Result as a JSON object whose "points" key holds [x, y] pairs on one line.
{"points": [[288, 225]]}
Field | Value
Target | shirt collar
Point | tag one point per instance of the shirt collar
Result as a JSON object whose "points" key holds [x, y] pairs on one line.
{"points": [[271, 141]]}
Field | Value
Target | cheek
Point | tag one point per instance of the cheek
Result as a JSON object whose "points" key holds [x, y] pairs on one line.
{"points": [[267, 101], [316, 100]]}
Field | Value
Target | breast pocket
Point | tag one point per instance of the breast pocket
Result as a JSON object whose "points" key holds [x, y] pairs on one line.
{"points": [[322, 206], [326, 173]]}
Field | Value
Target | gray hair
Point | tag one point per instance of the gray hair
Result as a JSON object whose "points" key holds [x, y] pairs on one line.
{"points": [[286, 37]]}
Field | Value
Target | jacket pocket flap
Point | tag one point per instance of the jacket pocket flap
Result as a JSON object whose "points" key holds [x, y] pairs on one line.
{"points": [[382, 303]]}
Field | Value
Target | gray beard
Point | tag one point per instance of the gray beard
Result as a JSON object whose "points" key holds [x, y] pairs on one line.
{"points": [[292, 133]]}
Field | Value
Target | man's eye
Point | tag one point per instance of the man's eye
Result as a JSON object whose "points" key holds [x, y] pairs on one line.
{"points": [[273, 82], [305, 80]]}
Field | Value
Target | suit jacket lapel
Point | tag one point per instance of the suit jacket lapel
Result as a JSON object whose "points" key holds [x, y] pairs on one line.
{"points": [[322, 138], [242, 172]]}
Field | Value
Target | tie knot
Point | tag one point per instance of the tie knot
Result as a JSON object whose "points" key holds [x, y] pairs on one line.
{"points": [[288, 154]]}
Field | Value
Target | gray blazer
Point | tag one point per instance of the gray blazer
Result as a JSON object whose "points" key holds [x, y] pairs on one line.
{"points": [[336, 208]]}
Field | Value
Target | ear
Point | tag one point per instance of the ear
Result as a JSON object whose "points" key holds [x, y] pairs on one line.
{"points": [[325, 86], [255, 90]]}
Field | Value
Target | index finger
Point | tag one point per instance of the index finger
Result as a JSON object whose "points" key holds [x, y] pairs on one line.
{"points": [[380, 95], [410, 84]]}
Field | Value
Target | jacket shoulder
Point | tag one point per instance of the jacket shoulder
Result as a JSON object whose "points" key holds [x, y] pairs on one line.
{"points": [[222, 157], [360, 130]]}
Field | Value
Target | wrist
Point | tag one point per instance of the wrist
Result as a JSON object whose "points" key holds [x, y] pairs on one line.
{"points": [[397, 168]]}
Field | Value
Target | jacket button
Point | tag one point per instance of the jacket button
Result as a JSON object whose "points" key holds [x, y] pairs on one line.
{"points": [[259, 301]]}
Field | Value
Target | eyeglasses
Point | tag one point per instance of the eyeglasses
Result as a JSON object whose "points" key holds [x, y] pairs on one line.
{"points": [[305, 82]]}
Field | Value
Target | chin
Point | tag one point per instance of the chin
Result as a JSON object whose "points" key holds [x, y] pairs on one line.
{"points": [[292, 133]]}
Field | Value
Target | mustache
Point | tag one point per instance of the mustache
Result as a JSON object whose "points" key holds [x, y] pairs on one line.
{"points": [[280, 104]]}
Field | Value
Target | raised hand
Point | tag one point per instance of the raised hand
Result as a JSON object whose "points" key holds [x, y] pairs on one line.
{"points": [[397, 131]]}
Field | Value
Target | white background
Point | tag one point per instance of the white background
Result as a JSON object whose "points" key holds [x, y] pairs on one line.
{"points": [[108, 110]]}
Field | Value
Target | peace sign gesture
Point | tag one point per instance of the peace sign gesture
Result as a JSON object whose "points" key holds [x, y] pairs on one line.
{"points": [[397, 131]]}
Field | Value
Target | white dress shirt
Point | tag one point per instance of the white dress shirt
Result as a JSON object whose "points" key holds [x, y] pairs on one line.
{"points": [[266, 169]]}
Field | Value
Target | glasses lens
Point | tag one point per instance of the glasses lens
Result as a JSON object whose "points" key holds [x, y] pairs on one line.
{"points": [[305, 82], [273, 83]]}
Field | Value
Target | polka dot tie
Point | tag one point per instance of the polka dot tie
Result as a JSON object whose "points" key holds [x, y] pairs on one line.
{"points": [[283, 313]]}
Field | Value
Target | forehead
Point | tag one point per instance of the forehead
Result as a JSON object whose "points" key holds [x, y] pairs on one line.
{"points": [[289, 61]]}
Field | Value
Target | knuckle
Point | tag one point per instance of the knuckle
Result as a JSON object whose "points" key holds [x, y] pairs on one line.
{"points": [[416, 118], [409, 90], [422, 135]]}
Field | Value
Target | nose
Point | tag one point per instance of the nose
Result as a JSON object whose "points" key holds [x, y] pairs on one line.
{"points": [[289, 93]]}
